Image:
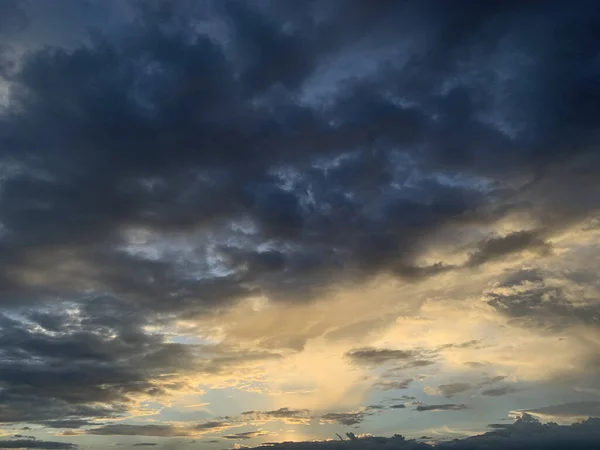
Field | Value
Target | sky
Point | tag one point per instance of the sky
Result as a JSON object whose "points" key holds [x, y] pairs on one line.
{"points": [[231, 223]]}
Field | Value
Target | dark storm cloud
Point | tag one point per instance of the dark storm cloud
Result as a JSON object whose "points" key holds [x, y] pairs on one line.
{"points": [[93, 361], [172, 130], [158, 137], [523, 434]]}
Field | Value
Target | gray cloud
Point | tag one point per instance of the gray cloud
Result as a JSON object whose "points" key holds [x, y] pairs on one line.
{"points": [[29, 443], [351, 418], [159, 430], [491, 380], [145, 171], [449, 390], [523, 434], [64, 365], [503, 246], [496, 392], [140, 430], [569, 410], [68, 423], [544, 299], [444, 407], [283, 414], [375, 356], [179, 192], [388, 385], [246, 435]]}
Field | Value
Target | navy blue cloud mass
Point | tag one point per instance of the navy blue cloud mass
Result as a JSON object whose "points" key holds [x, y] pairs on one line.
{"points": [[163, 161]]}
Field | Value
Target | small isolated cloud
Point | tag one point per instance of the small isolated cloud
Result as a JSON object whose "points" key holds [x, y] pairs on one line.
{"points": [[473, 343], [349, 418], [444, 407], [145, 444], [475, 364], [388, 385], [286, 415], [447, 390], [246, 435], [491, 380], [378, 356], [497, 392]]}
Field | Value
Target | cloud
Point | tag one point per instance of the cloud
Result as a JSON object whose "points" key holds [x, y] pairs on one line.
{"points": [[160, 430], [544, 299], [286, 415], [503, 246], [571, 411], [350, 418], [67, 423], [491, 380], [140, 430], [28, 443], [388, 385], [447, 390], [187, 158], [145, 444], [444, 407], [379, 356], [496, 392], [247, 435], [97, 362], [520, 435]]}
